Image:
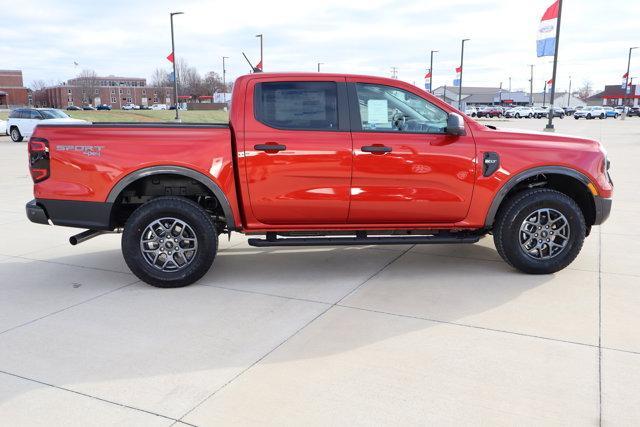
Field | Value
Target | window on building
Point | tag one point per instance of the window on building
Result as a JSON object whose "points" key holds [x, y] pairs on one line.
{"points": [[144, 92], [155, 100], [113, 91], [96, 92], [128, 91], [113, 100], [297, 105], [69, 91], [129, 100], [70, 99], [70, 103], [121, 91]]}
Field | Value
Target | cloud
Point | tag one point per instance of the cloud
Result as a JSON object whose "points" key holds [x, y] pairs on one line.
{"points": [[366, 37]]}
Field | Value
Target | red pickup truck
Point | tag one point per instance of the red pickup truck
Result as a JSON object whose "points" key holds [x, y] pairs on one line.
{"points": [[319, 159]]}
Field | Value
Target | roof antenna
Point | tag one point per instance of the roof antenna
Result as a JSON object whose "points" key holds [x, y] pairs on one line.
{"points": [[255, 69]]}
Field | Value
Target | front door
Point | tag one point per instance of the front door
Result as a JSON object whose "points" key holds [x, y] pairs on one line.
{"points": [[406, 168], [297, 151]]}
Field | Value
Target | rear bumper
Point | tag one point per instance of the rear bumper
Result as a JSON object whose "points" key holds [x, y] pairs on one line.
{"points": [[36, 213], [70, 213], [603, 209]]}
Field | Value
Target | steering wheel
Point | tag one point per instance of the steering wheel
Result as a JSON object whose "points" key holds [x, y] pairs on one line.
{"points": [[399, 121]]}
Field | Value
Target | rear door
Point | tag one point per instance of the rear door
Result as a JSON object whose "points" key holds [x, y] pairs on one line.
{"points": [[297, 150], [32, 118], [406, 168]]}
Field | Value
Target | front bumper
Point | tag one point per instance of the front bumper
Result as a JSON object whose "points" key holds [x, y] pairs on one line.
{"points": [[603, 209]]}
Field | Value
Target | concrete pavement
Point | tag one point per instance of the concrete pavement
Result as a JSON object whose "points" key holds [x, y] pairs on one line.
{"points": [[348, 336]]}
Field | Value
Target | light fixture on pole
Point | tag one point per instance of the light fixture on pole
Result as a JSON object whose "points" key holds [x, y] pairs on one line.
{"points": [[461, 70], [175, 75]]}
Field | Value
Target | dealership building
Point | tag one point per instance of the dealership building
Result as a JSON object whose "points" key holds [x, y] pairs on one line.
{"points": [[111, 90], [12, 90], [614, 95], [475, 96]]}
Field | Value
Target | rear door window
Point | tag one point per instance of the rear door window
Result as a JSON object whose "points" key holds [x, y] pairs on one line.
{"points": [[297, 105]]}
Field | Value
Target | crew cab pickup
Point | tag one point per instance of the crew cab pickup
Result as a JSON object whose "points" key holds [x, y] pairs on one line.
{"points": [[319, 159]]}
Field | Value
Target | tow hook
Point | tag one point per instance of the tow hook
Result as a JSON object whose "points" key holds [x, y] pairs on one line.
{"points": [[90, 234]]}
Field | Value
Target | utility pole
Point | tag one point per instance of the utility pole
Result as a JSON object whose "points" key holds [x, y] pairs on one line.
{"points": [[626, 83], [431, 71], [569, 94], [319, 64], [261, 53], [461, 70], [175, 75], [500, 92], [549, 126], [394, 73], [531, 87], [509, 84], [224, 80], [544, 95]]}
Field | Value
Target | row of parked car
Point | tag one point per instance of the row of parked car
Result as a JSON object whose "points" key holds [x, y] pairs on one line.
{"points": [[589, 112], [124, 107]]}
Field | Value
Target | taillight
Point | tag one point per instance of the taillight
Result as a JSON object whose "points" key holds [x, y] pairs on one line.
{"points": [[39, 164]]}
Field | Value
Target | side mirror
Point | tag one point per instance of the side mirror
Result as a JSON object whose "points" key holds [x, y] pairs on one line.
{"points": [[455, 125]]}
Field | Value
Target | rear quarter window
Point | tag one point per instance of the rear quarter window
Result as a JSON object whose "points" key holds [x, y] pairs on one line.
{"points": [[297, 105]]}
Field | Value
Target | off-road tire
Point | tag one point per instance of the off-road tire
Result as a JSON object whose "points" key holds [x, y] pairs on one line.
{"points": [[184, 210], [506, 231]]}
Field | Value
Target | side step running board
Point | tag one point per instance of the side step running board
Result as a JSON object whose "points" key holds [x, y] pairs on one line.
{"points": [[357, 241]]}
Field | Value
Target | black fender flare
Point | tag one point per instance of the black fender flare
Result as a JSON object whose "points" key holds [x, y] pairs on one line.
{"points": [[516, 179], [176, 170]]}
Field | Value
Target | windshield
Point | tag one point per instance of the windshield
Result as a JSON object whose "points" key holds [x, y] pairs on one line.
{"points": [[53, 114]]}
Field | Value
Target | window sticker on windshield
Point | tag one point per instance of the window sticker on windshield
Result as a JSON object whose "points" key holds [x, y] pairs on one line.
{"points": [[377, 111]]}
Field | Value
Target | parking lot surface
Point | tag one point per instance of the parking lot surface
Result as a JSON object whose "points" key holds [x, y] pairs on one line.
{"points": [[408, 335]]}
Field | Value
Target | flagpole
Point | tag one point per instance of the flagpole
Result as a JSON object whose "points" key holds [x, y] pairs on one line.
{"points": [[626, 84], [461, 70], [549, 126], [175, 76]]}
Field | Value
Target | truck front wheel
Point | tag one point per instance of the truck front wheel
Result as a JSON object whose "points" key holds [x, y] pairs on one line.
{"points": [[169, 242], [539, 231]]}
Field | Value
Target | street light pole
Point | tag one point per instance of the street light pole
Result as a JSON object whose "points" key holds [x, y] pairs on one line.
{"points": [[224, 80], [509, 84], [626, 83], [569, 94], [461, 71], [175, 75], [431, 71], [319, 64], [261, 58], [531, 87]]}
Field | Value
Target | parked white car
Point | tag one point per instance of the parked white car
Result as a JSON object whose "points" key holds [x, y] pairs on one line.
{"points": [[590, 113], [519, 112], [130, 107], [158, 107], [3, 127], [471, 111], [23, 121]]}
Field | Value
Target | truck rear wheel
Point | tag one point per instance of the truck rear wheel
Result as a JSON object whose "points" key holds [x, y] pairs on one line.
{"points": [[539, 231], [169, 242]]}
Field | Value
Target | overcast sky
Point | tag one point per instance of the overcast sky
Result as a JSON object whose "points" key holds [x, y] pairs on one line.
{"points": [[132, 38]]}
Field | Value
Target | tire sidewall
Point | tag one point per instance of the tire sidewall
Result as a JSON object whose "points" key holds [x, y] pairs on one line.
{"points": [[13, 132], [185, 210], [525, 207]]}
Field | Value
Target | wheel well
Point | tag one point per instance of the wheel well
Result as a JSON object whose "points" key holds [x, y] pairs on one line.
{"points": [[150, 187], [565, 184]]}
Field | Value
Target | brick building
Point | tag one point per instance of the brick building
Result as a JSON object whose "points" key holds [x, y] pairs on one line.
{"points": [[12, 90], [614, 95], [111, 90]]}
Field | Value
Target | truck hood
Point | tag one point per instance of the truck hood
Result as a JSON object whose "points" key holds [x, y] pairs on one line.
{"points": [[524, 137]]}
